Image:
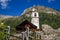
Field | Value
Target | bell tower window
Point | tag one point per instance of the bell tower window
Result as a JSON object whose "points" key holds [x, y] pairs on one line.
{"points": [[35, 15]]}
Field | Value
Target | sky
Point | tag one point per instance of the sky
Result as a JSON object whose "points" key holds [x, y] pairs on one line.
{"points": [[16, 7]]}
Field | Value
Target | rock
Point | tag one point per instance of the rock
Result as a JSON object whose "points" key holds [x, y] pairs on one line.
{"points": [[47, 29]]}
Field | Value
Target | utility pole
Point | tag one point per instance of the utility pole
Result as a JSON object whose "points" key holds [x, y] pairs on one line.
{"points": [[36, 35], [8, 32], [23, 35], [27, 33]]}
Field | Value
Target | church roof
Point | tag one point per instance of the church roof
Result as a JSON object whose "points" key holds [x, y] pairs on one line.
{"points": [[23, 25]]}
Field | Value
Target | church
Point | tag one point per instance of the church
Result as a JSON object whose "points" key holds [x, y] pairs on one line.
{"points": [[34, 24]]}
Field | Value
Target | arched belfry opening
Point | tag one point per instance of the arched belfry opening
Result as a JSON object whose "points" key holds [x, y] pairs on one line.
{"points": [[35, 14]]}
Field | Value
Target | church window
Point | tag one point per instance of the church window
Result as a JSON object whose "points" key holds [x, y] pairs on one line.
{"points": [[35, 15]]}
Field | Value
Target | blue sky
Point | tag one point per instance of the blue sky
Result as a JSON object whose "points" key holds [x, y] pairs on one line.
{"points": [[16, 7]]}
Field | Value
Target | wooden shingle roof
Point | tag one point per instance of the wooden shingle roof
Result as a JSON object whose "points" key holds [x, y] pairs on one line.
{"points": [[25, 24]]}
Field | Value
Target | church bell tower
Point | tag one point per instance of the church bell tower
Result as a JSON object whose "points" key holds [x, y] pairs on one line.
{"points": [[35, 18]]}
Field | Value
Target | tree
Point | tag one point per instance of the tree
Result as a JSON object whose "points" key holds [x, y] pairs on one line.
{"points": [[2, 31]]}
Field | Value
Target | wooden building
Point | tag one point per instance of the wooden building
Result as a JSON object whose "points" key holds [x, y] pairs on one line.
{"points": [[24, 25]]}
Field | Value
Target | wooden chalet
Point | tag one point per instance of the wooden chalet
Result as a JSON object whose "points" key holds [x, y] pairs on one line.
{"points": [[24, 25]]}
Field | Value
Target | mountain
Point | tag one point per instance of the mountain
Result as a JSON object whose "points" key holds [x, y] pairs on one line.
{"points": [[46, 16], [5, 17], [42, 9]]}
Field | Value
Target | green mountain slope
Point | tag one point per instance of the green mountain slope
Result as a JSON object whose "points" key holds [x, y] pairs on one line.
{"points": [[46, 16]]}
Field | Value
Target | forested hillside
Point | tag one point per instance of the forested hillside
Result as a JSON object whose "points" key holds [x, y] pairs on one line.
{"points": [[46, 16]]}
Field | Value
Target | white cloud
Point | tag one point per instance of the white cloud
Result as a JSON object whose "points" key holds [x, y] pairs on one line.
{"points": [[4, 3], [49, 1]]}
